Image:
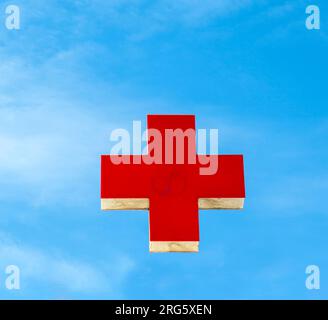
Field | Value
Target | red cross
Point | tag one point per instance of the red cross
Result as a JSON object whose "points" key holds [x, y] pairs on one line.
{"points": [[173, 192]]}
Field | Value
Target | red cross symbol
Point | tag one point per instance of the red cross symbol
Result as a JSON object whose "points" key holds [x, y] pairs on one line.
{"points": [[172, 191]]}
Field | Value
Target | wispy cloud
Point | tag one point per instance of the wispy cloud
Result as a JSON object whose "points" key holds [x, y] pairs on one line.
{"points": [[68, 275], [44, 152], [50, 135], [142, 19], [139, 19]]}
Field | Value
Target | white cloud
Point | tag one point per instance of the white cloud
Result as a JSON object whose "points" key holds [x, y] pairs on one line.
{"points": [[48, 150], [50, 140], [70, 275]]}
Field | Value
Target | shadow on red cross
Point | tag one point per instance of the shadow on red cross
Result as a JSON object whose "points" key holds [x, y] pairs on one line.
{"points": [[173, 193]]}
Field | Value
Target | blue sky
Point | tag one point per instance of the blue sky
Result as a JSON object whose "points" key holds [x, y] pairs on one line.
{"points": [[78, 69]]}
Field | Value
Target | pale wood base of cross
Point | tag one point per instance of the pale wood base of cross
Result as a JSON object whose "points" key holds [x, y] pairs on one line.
{"points": [[173, 246], [143, 204]]}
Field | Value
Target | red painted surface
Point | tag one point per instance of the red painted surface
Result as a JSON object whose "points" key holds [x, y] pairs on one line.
{"points": [[173, 189]]}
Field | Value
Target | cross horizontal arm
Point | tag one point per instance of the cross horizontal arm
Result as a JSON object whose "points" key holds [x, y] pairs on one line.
{"points": [[226, 188], [124, 184]]}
